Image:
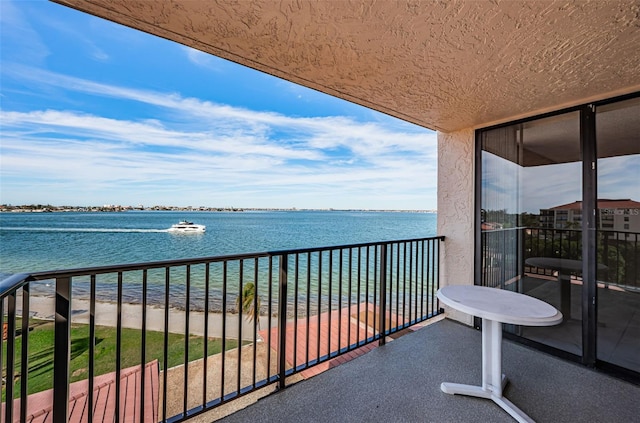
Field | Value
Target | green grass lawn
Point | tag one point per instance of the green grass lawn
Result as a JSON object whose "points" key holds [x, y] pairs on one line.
{"points": [[41, 349]]}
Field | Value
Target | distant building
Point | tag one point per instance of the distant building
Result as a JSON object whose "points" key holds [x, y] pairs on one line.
{"points": [[613, 215], [491, 226]]}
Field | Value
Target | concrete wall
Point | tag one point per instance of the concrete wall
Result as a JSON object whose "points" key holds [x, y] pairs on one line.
{"points": [[456, 210], [445, 65]]}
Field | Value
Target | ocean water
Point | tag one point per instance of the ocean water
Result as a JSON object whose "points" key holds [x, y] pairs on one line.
{"points": [[32, 242]]}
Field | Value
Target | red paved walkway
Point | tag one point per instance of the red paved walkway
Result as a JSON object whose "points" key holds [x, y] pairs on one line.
{"points": [[337, 328], [40, 405]]}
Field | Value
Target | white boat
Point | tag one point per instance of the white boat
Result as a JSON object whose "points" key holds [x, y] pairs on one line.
{"points": [[186, 226]]}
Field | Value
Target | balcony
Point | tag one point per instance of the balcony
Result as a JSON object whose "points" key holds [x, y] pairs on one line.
{"points": [[401, 382], [189, 336], [358, 310]]}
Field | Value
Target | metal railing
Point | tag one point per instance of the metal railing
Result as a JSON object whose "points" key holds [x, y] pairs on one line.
{"points": [[504, 253], [227, 325]]}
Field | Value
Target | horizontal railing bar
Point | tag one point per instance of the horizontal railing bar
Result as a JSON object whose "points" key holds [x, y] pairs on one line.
{"points": [[20, 279], [219, 401], [143, 266], [361, 245], [14, 282]]}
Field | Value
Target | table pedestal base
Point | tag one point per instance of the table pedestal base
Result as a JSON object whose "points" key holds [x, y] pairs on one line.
{"points": [[477, 391], [493, 381], [565, 296]]}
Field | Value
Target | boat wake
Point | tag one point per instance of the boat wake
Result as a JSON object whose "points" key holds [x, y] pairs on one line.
{"points": [[122, 230]]}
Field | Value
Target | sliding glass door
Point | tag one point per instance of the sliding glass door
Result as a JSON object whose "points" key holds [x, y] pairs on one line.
{"points": [[618, 227], [531, 192], [559, 211]]}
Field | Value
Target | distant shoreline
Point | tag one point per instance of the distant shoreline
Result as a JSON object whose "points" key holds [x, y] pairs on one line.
{"points": [[119, 209]]}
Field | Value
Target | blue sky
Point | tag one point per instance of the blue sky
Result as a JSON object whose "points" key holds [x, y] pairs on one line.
{"points": [[95, 113], [529, 189]]}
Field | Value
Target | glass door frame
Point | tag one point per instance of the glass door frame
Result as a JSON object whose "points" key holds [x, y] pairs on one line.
{"points": [[588, 147]]}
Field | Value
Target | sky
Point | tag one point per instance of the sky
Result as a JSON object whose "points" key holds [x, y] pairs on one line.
{"points": [[96, 113], [518, 189]]}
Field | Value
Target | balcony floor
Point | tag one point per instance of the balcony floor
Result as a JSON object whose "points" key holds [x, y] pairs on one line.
{"points": [[400, 382]]}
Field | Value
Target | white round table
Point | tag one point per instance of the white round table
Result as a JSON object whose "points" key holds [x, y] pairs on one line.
{"points": [[495, 306]]}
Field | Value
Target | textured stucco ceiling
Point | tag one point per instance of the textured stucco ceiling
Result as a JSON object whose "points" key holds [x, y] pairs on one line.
{"points": [[444, 65]]}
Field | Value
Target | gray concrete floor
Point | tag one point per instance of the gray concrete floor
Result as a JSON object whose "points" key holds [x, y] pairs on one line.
{"points": [[400, 382]]}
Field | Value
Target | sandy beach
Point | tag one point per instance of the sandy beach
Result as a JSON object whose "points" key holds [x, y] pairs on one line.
{"points": [[106, 315]]}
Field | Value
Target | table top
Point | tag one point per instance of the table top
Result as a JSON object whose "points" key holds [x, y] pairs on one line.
{"points": [[559, 264], [499, 305]]}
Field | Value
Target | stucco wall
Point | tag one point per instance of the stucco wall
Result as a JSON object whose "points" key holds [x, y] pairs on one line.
{"points": [[456, 210], [476, 63]]}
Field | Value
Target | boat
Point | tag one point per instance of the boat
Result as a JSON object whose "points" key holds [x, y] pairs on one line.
{"points": [[186, 226]]}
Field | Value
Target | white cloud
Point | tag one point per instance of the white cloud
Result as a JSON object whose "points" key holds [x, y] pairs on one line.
{"points": [[618, 177], [17, 32], [215, 151], [202, 59]]}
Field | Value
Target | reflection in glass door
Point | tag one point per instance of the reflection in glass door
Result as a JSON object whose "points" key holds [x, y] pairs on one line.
{"points": [[618, 233], [531, 237], [559, 210]]}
